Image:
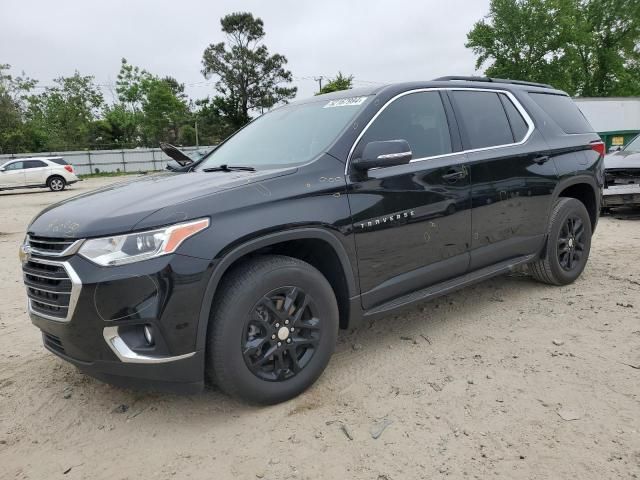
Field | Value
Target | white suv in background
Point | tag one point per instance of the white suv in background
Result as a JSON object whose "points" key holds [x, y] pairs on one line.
{"points": [[52, 172]]}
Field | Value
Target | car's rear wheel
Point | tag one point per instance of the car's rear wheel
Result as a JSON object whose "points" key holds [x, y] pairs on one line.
{"points": [[272, 331], [56, 183], [568, 244]]}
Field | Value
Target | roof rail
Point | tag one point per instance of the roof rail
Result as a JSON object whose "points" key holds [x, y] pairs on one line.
{"points": [[488, 79]]}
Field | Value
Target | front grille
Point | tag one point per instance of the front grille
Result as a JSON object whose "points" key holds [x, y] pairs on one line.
{"points": [[53, 342], [49, 246], [48, 287]]}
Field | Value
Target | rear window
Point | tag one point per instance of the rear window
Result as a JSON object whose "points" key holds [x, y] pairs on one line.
{"points": [[483, 118], [59, 161], [563, 111]]}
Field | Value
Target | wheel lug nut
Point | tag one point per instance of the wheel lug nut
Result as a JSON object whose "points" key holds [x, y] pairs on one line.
{"points": [[288, 340], [286, 322], [277, 325], [279, 344], [273, 337], [291, 329]]}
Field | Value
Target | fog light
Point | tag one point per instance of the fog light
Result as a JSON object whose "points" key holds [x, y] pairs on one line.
{"points": [[148, 334]]}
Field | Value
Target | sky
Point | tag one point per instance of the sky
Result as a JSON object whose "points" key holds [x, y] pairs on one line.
{"points": [[376, 41]]}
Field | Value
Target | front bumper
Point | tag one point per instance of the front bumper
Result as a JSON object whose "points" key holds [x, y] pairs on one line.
{"points": [[102, 331], [621, 195]]}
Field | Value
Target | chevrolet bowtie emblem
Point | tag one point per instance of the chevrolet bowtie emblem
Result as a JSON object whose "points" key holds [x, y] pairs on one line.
{"points": [[24, 253]]}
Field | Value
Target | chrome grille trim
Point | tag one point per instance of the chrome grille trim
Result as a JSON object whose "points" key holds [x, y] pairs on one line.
{"points": [[76, 286], [58, 247]]}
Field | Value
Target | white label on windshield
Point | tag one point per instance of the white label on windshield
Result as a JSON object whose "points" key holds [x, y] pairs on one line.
{"points": [[345, 102]]}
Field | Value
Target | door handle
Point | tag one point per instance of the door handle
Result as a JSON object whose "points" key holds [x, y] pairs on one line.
{"points": [[454, 175], [542, 159]]}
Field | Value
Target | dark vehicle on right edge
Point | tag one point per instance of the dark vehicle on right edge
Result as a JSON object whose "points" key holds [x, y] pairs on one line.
{"points": [[622, 177], [241, 266]]}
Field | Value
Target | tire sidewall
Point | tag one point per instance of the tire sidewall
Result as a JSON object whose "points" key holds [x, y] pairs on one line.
{"points": [[230, 329], [570, 207]]}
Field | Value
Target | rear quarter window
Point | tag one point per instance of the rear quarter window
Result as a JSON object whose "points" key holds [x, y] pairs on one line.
{"points": [[59, 161], [563, 112]]}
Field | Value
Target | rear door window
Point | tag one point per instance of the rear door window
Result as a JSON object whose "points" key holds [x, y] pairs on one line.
{"points": [[518, 124], [483, 118], [419, 118], [34, 164], [563, 112]]}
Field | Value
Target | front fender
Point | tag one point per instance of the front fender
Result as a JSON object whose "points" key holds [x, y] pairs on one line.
{"points": [[230, 256]]}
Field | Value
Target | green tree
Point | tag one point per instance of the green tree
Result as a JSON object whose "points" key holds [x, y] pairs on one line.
{"points": [[249, 78], [585, 47], [164, 110], [340, 82], [62, 116], [13, 93]]}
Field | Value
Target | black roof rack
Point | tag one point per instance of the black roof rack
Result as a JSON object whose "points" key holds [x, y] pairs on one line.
{"points": [[494, 80]]}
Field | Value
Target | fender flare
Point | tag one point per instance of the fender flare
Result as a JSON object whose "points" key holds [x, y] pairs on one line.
{"points": [[260, 242]]}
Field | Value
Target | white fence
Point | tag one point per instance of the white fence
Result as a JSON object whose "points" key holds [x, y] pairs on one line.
{"points": [[96, 161]]}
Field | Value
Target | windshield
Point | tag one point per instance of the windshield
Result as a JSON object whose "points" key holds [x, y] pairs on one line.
{"points": [[290, 135], [634, 146]]}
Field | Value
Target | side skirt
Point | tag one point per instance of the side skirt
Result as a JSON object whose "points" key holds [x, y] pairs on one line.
{"points": [[448, 286]]}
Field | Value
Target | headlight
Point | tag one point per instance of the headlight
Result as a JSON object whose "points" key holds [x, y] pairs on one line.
{"points": [[133, 247]]}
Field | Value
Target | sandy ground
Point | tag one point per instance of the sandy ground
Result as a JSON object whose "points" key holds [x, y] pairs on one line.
{"points": [[508, 379]]}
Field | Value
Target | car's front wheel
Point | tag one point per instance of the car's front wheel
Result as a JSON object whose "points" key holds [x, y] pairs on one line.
{"points": [[56, 183], [568, 244], [272, 330]]}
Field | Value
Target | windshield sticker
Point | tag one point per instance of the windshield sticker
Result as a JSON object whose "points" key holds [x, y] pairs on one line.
{"points": [[345, 102]]}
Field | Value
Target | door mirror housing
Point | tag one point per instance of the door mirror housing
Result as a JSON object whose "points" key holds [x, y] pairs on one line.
{"points": [[1, 169], [383, 154], [615, 149]]}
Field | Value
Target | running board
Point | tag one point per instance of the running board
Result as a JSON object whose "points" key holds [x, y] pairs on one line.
{"points": [[450, 285]]}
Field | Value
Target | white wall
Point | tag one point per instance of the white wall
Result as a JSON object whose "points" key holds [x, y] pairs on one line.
{"points": [[611, 114]]}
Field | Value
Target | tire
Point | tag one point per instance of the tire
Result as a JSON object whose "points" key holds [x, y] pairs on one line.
{"points": [[252, 299], [56, 183], [568, 244]]}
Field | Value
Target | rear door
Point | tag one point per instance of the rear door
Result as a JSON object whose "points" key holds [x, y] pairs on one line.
{"points": [[411, 222], [512, 179], [36, 172], [13, 175]]}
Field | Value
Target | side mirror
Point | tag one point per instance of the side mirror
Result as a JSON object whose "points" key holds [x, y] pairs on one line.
{"points": [[1, 169], [615, 149], [384, 154]]}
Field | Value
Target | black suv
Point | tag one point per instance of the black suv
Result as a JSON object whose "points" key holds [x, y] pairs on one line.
{"points": [[240, 267]]}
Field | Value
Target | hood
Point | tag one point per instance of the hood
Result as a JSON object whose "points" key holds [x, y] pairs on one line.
{"points": [[622, 159], [119, 207]]}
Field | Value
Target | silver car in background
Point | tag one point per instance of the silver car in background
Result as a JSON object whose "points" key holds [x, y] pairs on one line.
{"points": [[622, 177], [52, 172]]}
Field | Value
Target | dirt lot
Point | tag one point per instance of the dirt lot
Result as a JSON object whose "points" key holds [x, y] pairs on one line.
{"points": [[508, 379]]}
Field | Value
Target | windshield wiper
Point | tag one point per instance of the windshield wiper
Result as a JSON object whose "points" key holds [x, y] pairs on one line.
{"points": [[229, 168]]}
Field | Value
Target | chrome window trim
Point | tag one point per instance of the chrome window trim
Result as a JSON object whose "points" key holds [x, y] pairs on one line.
{"points": [[514, 100], [76, 286], [70, 250], [126, 355]]}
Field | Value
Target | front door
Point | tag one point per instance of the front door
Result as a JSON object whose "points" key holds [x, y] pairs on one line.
{"points": [[412, 222], [13, 175]]}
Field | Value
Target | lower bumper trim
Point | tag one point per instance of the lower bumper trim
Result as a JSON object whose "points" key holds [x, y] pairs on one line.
{"points": [[126, 355]]}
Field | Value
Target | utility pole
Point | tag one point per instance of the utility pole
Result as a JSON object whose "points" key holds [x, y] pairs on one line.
{"points": [[319, 80], [197, 144]]}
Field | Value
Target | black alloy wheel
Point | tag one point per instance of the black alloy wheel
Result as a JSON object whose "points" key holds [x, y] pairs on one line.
{"points": [[571, 243], [281, 334], [272, 329]]}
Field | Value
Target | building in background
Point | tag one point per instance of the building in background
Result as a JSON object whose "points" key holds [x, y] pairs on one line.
{"points": [[616, 119]]}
